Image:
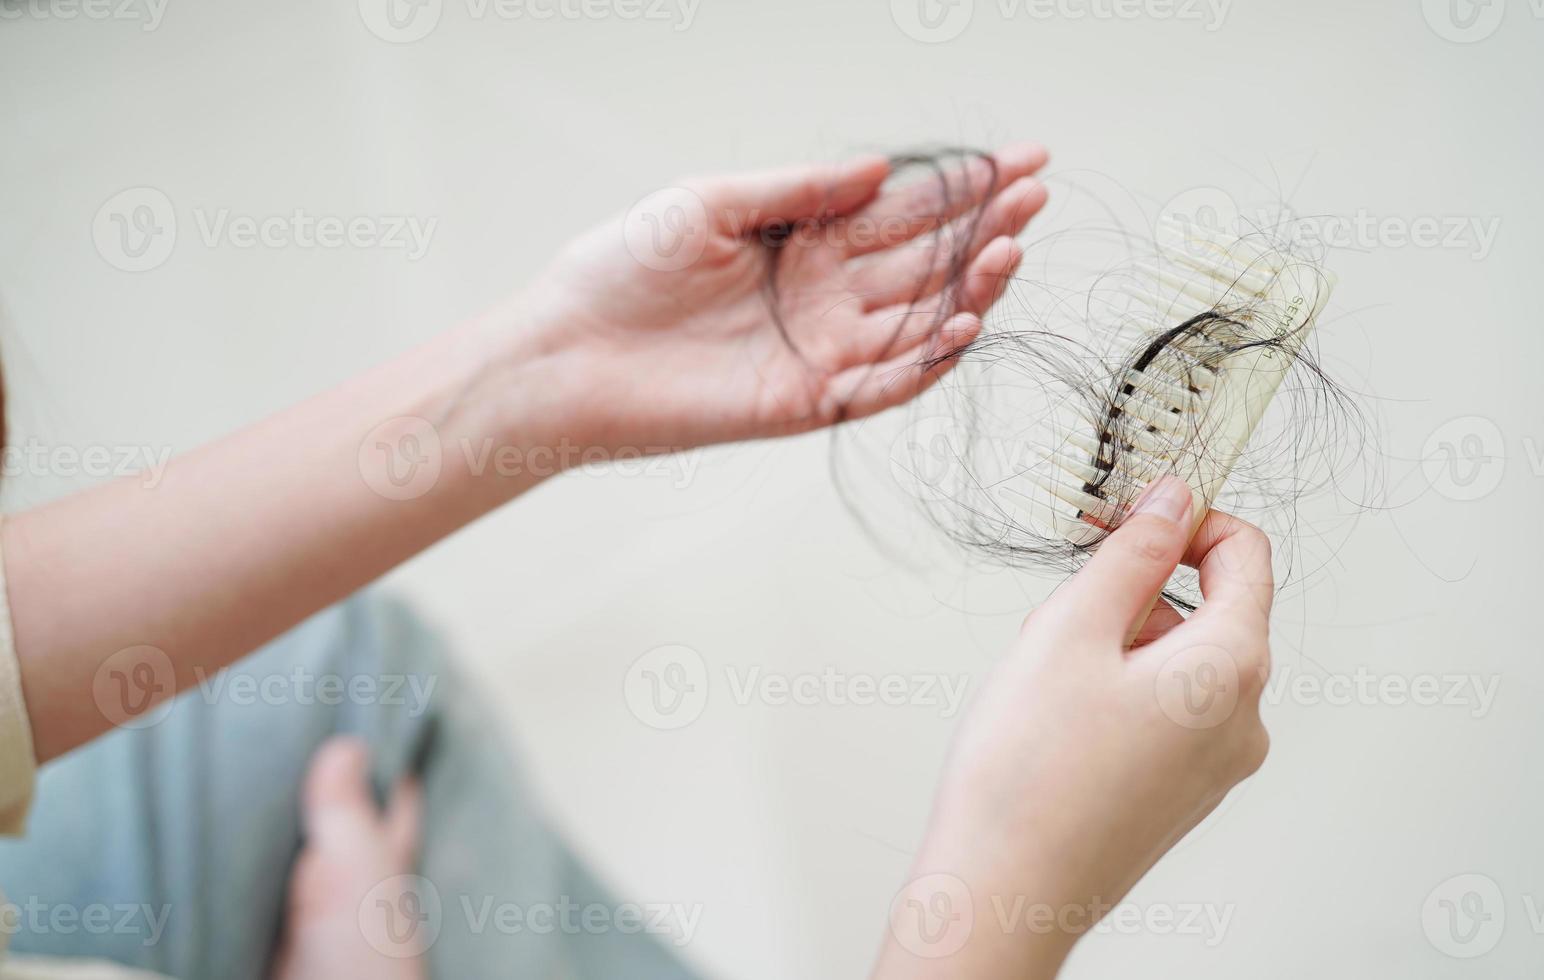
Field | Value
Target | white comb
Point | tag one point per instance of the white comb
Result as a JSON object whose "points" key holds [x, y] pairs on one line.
{"points": [[1187, 406]]}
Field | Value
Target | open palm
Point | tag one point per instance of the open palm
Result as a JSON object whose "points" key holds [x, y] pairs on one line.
{"points": [[740, 307]]}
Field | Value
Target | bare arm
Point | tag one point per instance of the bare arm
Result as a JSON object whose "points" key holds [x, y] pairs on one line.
{"points": [[244, 538], [629, 341], [1081, 763]]}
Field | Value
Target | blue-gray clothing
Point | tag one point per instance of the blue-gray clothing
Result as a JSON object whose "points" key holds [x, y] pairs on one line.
{"points": [[169, 847]]}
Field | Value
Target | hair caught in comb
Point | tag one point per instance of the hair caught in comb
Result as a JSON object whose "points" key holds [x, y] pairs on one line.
{"points": [[1196, 357]]}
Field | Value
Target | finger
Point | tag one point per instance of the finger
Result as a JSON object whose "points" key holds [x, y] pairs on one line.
{"points": [[1126, 574], [747, 202], [908, 275], [1164, 618], [903, 329], [988, 277], [900, 215], [337, 804], [404, 821], [1234, 559], [865, 389]]}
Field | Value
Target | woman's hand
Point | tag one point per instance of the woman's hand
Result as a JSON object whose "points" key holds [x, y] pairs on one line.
{"points": [[629, 341], [1081, 763], [661, 327]]}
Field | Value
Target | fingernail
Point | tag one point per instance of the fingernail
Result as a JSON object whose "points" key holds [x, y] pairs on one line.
{"points": [[1030, 156], [860, 165], [1167, 497]]}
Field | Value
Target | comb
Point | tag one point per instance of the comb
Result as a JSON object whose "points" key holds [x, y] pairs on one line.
{"points": [[1188, 395]]}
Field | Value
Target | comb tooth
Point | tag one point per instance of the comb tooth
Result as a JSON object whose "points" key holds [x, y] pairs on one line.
{"points": [[1081, 499], [1226, 272], [1150, 413], [1130, 462], [1158, 299], [1249, 265], [1114, 482], [1082, 472], [1155, 303], [1170, 306], [1181, 285], [1201, 381], [1251, 251], [1127, 495], [1083, 442], [1200, 375], [1192, 231], [1077, 533], [1158, 400], [1092, 448], [1141, 468], [1176, 396], [1130, 440], [1148, 442], [1141, 296], [1195, 249], [1158, 304], [1132, 435], [1042, 512]]}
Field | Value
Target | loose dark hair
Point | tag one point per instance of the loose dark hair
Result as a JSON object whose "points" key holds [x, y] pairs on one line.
{"points": [[1320, 429]]}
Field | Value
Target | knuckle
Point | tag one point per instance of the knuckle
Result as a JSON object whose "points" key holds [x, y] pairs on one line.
{"points": [[1251, 529], [1147, 544], [928, 197], [1253, 672], [1036, 620], [1255, 747], [1258, 541], [933, 196], [812, 191]]}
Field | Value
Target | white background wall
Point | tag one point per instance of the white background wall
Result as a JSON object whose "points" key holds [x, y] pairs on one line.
{"points": [[792, 825]]}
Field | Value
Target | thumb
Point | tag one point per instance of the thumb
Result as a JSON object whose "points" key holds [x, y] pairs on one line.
{"points": [[750, 201], [337, 803], [1116, 590]]}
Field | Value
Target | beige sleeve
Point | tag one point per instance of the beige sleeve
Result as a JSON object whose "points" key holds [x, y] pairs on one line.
{"points": [[18, 764]]}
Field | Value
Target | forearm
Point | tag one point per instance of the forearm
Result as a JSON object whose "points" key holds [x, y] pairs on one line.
{"points": [[1081, 761], [979, 905], [242, 539]]}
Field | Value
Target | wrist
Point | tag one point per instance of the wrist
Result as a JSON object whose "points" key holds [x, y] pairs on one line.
{"points": [[521, 409], [1020, 919], [1033, 884], [551, 379]]}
